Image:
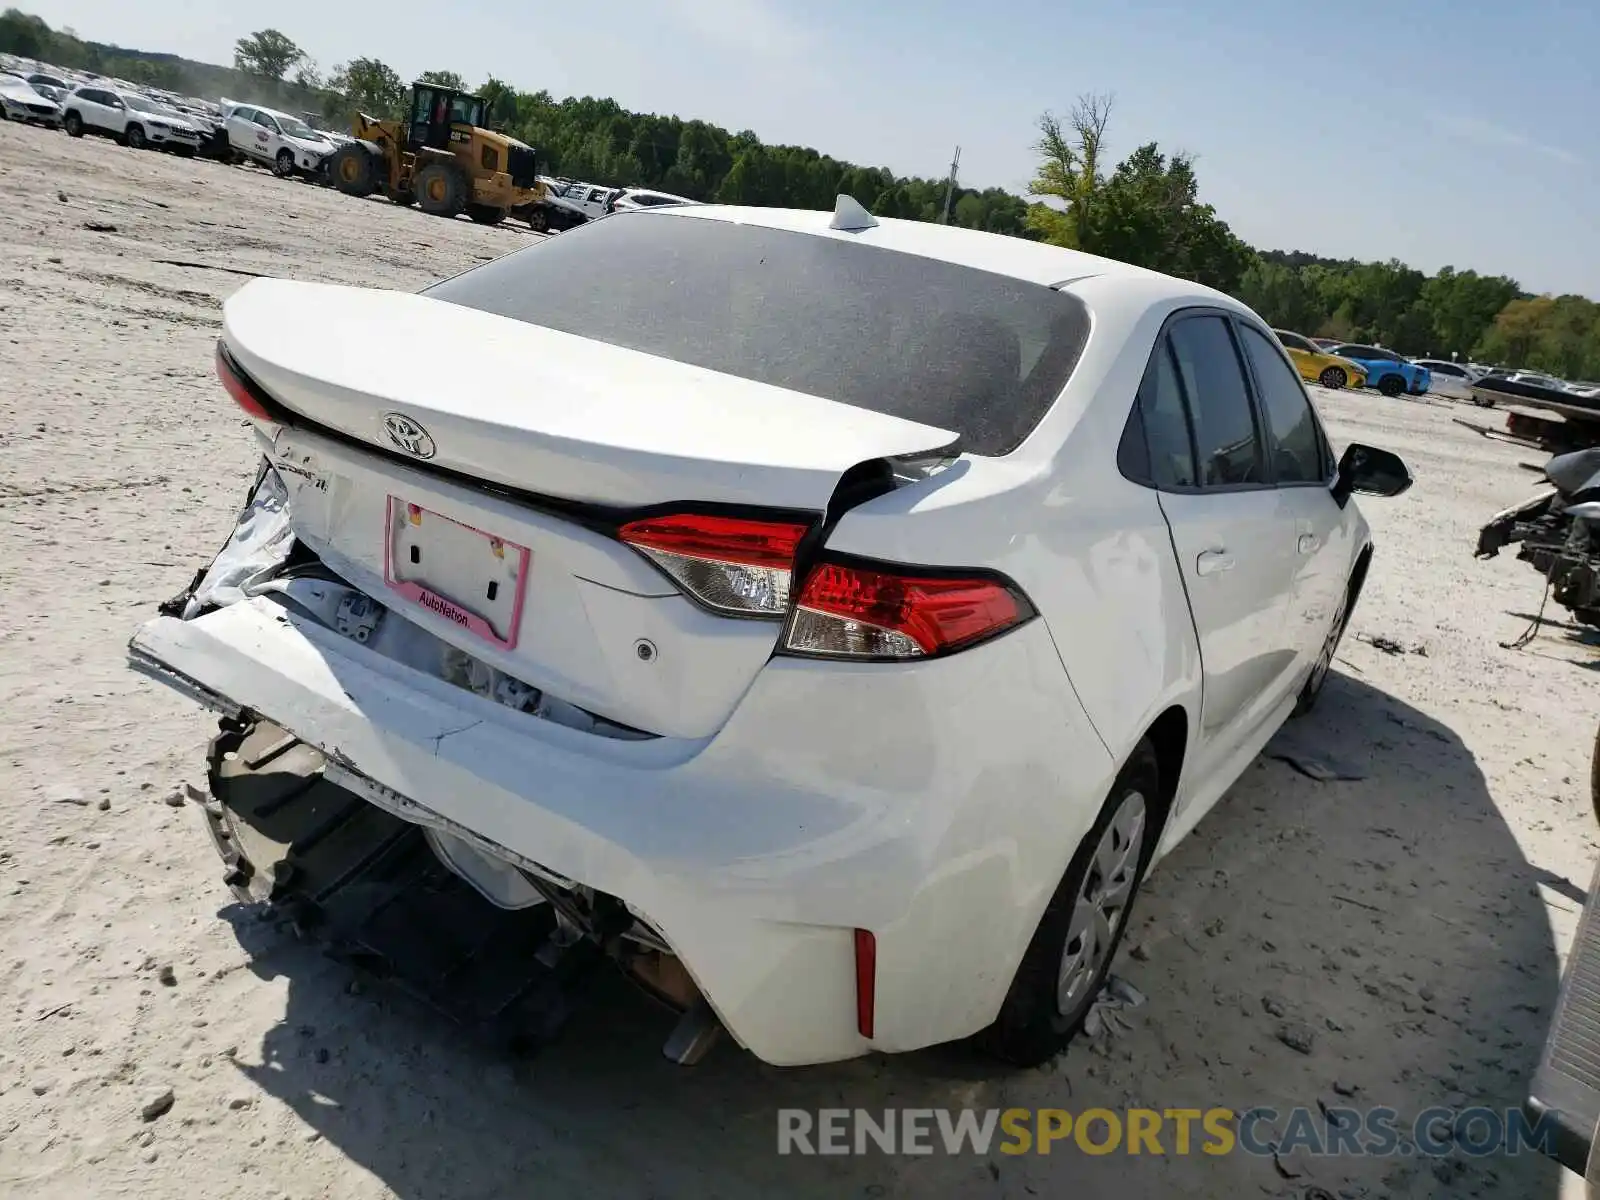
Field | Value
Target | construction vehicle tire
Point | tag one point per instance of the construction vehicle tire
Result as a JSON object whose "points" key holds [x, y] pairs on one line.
{"points": [[441, 189], [353, 171]]}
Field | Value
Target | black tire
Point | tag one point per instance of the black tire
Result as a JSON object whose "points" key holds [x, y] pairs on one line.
{"points": [[73, 124], [1312, 691], [1594, 777], [441, 189], [1334, 377], [353, 171], [539, 219], [486, 214], [1391, 385], [133, 138], [1033, 1027], [283, 164]]}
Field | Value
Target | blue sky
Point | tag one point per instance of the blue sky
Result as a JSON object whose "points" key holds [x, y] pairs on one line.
{"points": [[1461, 133]]}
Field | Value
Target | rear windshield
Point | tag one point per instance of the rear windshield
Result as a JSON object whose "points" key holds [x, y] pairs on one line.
{"points": [[963, 349]]}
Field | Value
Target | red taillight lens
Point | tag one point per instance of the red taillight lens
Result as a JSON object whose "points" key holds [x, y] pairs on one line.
{"points": [[854, 612], [734, 565], [243, 394]]}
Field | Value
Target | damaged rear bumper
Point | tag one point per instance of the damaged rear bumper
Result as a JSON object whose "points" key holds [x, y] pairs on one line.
{"points": [[755, 853]]}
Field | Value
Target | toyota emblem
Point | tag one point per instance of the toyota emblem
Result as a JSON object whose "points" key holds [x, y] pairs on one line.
{"points": [[408, 435]]}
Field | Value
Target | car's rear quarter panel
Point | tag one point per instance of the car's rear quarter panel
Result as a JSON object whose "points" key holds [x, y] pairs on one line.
{"points": [[1090, 549]]}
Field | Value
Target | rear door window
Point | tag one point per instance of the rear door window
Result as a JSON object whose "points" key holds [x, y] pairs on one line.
{"points": [[1293, 438], [1228, 445], [946, 345], [1166, 423]]}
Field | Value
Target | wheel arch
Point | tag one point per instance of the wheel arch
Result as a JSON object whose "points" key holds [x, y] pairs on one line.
{"points": [[1168, 734], [1358, 576]]}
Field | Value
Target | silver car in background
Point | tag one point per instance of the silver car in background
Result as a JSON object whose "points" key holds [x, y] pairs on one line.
{"points": [[1450, 379]]}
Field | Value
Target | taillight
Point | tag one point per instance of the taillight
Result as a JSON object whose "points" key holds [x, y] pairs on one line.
{"points": [[847, 611], [733, 565], [244, 395]]}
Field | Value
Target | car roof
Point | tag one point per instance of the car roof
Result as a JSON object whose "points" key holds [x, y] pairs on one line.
{"points": [[653, 192], [1036, 262], [271, 112]]}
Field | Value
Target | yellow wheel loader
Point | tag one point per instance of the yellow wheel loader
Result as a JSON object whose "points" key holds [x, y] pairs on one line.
{"points": [[440, 158]]}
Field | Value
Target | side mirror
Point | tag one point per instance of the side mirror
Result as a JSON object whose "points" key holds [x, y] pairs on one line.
{"points": [[1371, 472]]}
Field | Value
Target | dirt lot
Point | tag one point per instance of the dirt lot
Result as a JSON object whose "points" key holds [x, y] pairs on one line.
{"points": [[1412, 923]]}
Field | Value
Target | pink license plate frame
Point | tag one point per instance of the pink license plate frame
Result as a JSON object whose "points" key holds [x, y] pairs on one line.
{"points": [[433, 601]]}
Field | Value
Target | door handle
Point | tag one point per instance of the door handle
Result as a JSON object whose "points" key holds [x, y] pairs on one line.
{"points": [[1308, 543], [1212, 561]]}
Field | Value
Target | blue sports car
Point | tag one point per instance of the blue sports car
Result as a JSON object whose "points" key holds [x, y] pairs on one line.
{"points": [[1386, 370]]}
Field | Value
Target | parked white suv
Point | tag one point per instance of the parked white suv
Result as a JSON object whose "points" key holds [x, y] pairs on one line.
{"points": [[275, 139], [806, 610], [132, 119]]}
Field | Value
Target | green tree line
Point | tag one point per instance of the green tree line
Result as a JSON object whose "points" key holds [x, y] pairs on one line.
{"points": [[1143, 209]]}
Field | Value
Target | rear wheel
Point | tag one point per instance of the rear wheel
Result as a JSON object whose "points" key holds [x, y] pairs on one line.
{"points": [[73, 125], [134, 137], [441, 189], [1333, 377], [352, 170], [1070, 954], [283, 164], [1391, 385], [486, 214]]}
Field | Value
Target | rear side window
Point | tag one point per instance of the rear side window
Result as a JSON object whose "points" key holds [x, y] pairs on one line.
{"points": [[982, 354], [1292, 435], [1166, 423], [1229, 450]]}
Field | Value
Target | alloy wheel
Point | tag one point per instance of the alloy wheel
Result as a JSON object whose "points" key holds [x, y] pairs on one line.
{"points": [[1102, 904]]}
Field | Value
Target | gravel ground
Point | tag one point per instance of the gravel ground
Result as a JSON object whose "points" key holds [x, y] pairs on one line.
{"points": [[1405, 930]]}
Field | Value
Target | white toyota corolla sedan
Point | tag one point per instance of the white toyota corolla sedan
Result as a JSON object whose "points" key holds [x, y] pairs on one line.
{"points": [[831, 618]]}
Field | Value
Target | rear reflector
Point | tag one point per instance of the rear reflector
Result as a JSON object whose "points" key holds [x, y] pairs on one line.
{"points": [[731, 565], [239, 388], [855, 612], [866, 981]]}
